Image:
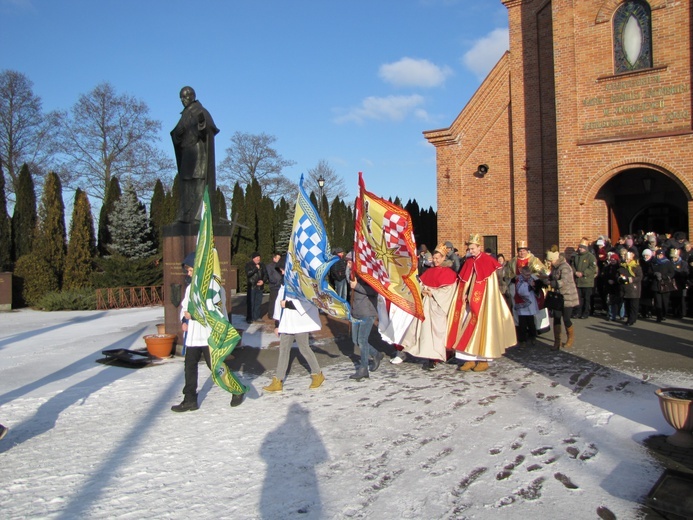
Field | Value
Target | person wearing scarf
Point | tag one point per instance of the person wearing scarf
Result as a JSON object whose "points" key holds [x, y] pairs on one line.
{"points": [[629, 277]]}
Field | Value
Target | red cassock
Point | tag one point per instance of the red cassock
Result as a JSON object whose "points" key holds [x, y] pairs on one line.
{"points": [[480, 324]]}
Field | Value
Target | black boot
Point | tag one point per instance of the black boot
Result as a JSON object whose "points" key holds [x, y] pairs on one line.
{"points": [[376, 361], [237, 399], [188, 405], [360, 374]]}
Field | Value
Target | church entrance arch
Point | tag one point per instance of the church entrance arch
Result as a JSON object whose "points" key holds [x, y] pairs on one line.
{"points": [[643, 199]]}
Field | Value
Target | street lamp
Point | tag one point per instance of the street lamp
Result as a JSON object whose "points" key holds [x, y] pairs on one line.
{"points": [[321, 184]]}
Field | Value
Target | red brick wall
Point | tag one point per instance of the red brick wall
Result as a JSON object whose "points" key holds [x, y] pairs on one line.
{"points": [[555, 124]]}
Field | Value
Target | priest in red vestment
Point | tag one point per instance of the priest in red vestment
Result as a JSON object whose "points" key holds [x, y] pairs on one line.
{"points": [[481, 326], [426, 339]]}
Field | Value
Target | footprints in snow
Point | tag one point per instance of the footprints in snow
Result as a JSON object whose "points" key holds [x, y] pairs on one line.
{"points": [[546, 456]]}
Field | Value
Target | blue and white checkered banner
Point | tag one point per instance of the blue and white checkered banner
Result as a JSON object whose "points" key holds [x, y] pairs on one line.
{"points": [[308, 261]]}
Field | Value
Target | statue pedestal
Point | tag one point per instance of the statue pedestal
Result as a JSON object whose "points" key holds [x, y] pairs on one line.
{"points": [[179, 240]]}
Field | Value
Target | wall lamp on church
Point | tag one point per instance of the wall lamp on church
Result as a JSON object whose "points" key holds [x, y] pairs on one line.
{"points": [[481, 171]]}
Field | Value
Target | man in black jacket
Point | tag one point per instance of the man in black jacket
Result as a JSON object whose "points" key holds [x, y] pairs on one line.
{"points": [[257, 278]]}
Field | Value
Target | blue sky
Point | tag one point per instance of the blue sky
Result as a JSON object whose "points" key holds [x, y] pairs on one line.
{"points": [[353, 82]]}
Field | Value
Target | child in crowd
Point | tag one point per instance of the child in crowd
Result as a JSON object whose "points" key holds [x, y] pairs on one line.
{"points": [[526, 307]]}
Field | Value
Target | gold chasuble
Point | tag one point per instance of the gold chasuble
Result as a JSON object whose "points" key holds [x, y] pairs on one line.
{"points": [[480, 325]]}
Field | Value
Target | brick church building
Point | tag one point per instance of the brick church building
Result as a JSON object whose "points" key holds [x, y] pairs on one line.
{"points": [[582, 128]]}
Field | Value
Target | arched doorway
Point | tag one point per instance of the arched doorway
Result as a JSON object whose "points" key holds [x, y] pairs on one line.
{"points": [[642, 199]]}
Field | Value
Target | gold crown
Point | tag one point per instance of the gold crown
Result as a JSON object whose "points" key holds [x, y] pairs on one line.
{"points": [[522, 244], [584, 243], [475, 238], [442, 249]]}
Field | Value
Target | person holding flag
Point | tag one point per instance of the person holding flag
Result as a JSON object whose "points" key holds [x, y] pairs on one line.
{"points": [[385, 258], [204, 297], [195, 337], [364, 310], [297, 319]]}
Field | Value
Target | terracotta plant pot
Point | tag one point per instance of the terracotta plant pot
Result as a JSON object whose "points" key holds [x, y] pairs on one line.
{"points": [[678, 412], [161, 328], [160, 345]]}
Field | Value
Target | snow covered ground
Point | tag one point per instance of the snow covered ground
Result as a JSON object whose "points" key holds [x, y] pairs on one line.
{"points": [[551, 436]]}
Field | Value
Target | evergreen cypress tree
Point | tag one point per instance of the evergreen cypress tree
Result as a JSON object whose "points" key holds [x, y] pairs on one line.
{"points": [[220, 207], [343, 227], [157, 214], [113, 194], [170, 206], [280, 212], [265, 228], [253, 199], [238, 214], [175, 200], [282, 244], [412, 208], [81, 249], [51, 235], [129, 227], [24, 216], [5, 228]]}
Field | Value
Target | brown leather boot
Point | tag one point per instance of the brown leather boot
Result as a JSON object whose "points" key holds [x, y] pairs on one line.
{"points": [[570, 331], [556, 338]]}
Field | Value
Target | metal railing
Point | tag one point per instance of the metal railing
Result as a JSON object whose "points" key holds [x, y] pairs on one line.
{"points": [[127, 297]]}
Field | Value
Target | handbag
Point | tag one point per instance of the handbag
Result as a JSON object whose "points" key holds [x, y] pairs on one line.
{"points": [[667, 285], [553, 301]]}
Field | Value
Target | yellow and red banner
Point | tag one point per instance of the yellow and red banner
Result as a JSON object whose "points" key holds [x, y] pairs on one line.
{"points": [[385, 251]]}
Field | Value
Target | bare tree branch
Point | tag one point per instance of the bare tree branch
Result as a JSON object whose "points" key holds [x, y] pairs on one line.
{"points": [[251, 156], [107, 135]]}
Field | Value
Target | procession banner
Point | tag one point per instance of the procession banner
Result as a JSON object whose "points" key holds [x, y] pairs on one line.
{"points": [[385, 251], [308, 260], [206, 304]]}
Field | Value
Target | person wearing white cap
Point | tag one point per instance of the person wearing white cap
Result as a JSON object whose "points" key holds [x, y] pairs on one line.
{"points": [[647, 294]]}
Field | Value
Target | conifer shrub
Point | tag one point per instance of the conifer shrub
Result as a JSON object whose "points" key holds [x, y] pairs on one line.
{"points": [[69, 300], [239, 260], [119, 271], [35, 278]]}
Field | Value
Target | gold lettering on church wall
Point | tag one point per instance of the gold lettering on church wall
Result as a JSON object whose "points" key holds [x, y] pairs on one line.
{"points": [[636, 101]]}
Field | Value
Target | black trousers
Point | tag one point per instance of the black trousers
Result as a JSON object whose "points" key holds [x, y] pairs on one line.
{"points": [[192, 358], [585, 294], [632, 305], [661, 305], [526, 328]]}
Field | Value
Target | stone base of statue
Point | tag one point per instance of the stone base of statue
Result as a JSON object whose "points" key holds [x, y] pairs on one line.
{"points": [[180, 240]]}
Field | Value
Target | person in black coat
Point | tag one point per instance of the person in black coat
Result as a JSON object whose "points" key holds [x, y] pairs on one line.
{"points": [[630, 280], [663, 284], [256, 274]]}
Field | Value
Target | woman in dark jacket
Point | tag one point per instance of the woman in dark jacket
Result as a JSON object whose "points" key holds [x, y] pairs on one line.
{"points": [[562, 280], [663, 284], [364, 310], [630, 280]]}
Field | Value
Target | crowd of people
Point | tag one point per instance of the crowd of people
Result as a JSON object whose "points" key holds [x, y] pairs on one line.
{"points": [[476, 304]]}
